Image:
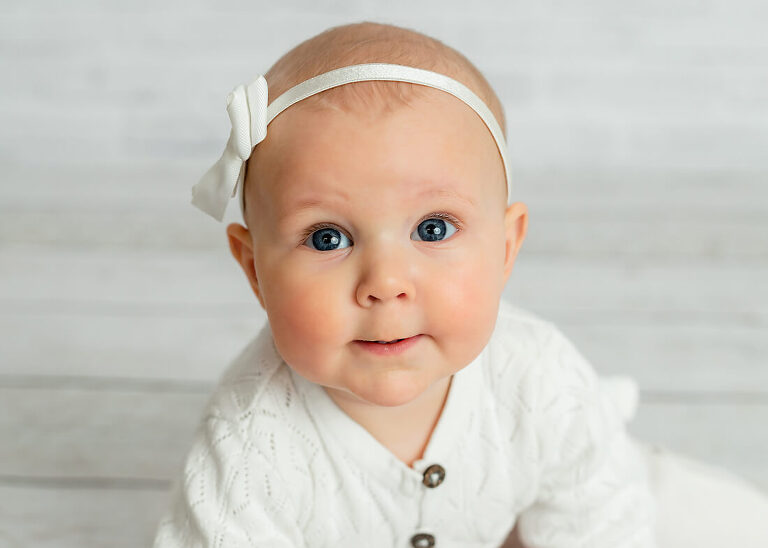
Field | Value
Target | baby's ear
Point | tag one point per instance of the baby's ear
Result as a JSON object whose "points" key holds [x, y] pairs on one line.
{"points": [[241, 246], [515, 228]]}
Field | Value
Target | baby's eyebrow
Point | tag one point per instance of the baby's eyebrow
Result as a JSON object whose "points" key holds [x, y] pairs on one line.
{"points": [[310, 202], [447, 193], [303, 203]]}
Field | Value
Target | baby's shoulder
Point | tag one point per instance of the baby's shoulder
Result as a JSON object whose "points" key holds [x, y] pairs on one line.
{"points": [[249, 379], [520, 333], [525, 349], [256, 401]]}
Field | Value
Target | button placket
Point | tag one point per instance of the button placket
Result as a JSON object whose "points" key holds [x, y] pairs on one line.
{"points": [[433, 476]]}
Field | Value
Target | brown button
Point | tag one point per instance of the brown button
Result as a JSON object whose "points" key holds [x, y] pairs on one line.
{"points": [[434, 475], [422, 540]]}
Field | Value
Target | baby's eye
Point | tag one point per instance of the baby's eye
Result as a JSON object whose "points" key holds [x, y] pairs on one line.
{"points": [[326, 239], [434, 229]]}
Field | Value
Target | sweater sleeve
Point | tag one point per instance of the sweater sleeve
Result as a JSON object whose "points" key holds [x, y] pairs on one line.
{"points": [[593, 486], [230, 495]]}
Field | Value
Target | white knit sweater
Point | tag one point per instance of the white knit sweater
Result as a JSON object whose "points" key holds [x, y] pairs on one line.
{"points": [[528, 434]]}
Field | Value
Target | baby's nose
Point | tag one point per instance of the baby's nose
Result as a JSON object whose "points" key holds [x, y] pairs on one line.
{"points": [[385, 277]]}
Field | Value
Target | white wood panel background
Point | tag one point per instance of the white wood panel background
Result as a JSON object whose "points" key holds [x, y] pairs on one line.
{"points": [[637, 132]]}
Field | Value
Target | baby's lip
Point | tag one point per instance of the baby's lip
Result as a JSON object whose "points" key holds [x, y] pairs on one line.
{"points": [[386, 339]]}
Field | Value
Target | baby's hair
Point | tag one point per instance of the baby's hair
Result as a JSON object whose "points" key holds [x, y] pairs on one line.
{"points": [[369, 42]]}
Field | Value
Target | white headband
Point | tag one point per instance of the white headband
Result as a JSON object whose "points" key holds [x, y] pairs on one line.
{"points": [[250, 116]]}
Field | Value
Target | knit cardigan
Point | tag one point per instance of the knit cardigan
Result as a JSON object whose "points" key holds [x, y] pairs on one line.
{"points": [[529, 434]]}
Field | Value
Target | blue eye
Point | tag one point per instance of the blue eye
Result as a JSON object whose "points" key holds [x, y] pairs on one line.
{"points": [[434, 229], [326, 239]]}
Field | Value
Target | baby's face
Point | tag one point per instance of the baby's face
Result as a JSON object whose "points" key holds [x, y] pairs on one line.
{"points": [[379, 229]]}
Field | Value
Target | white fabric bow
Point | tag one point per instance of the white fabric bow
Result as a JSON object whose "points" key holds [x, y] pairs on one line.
{"points": [[247, 109]]}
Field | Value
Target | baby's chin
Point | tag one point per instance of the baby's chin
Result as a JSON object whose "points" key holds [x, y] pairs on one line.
{"points": [[394, 390]]}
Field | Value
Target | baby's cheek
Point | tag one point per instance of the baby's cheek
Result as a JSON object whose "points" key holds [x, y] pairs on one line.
{"points": [[304, 317], [470, 304]]}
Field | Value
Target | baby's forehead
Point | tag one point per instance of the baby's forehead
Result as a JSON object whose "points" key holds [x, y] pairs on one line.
{"points": [[439, 145], [362, 155]]}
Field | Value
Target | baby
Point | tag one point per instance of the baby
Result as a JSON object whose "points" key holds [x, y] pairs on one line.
{"points": [[394, 398]]}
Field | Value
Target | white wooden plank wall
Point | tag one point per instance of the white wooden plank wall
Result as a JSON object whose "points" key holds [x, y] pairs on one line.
{"points": [[638, 134]]}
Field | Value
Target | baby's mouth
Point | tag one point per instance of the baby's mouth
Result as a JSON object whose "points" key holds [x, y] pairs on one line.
{"points": [[395, 347], [385, 342]]}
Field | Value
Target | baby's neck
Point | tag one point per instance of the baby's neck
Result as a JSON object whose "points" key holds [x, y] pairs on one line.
{"points": [[404, 430]]}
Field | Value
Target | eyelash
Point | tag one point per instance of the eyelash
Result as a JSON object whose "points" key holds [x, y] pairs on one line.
{"points": [[437, 215]]}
